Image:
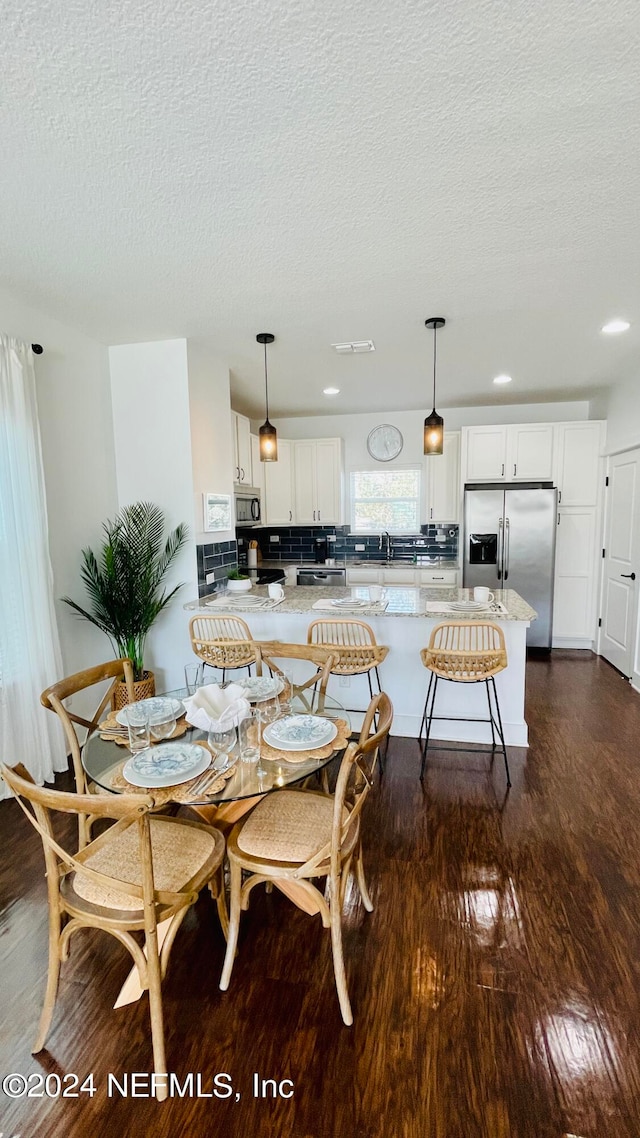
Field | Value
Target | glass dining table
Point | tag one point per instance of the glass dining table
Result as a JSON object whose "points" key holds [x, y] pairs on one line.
{"points": [[102, 758]]}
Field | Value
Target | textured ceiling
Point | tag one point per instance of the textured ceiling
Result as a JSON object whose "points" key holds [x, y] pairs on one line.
{"points": [[332, 172]]}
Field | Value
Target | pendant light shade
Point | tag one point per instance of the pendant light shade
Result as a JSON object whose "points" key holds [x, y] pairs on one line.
{"points": [[434, 423], [268, 435]]}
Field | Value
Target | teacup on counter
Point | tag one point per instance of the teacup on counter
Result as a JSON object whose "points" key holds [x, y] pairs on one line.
{"points": [[481, 593], [276, 592], [376, 592]]}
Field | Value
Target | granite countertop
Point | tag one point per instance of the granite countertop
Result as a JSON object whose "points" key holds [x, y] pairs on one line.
{"points": [[403, 601]]}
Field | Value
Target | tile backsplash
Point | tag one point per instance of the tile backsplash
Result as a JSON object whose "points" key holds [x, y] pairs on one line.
{"points": [[217, 558], [297, 543]]}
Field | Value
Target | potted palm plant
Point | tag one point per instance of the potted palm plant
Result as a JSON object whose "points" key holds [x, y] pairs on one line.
{"points": [[124, 583]]}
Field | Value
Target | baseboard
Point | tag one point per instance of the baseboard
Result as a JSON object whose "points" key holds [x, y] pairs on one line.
{"points": [[573, 642], [516, 734]]}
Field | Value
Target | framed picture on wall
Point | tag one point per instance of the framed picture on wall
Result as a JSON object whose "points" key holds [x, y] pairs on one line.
{"points": [[217, 512]]}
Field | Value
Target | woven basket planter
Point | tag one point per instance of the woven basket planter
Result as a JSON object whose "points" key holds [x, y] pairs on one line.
{"points": [[144, 689]]}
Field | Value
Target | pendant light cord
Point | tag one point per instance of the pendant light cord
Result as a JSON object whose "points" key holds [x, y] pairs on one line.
{"points": [[266, 384], [435, 341]]}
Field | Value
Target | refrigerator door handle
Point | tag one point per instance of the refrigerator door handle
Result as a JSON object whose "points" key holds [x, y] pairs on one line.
{"points": [[500, 547], [507, 544]]}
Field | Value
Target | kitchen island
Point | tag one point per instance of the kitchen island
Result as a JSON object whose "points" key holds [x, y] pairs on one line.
{"points": [[405, 626]]}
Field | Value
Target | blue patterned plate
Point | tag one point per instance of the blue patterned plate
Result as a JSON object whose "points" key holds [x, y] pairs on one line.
{"points": [[158, 708], [300, 733], [257, 688], [168, 764]]}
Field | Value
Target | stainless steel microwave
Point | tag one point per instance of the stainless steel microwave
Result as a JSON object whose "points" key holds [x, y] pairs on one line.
{"points": [[247, 506]]}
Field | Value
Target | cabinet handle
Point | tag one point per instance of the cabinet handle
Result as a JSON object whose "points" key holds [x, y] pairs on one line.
{"points": [[290, 516], [318, 515], [242, 473], [438, 578], [503, 469], [558, 517], [237, 473], [559, 496], [314, 515], [431, 512], [514, 470]]}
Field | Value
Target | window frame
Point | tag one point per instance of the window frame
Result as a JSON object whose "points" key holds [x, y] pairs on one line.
{"points": [[413, 467]]}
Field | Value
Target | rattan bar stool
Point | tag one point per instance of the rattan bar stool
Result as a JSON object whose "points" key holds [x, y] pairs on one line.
{"points": [[465, 652], [356, 649], [358, 652], [222, 642]]}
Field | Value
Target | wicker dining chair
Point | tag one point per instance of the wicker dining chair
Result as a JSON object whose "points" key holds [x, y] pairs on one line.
{"points": [[53, 699], [269, 652], [465, 652], [294, 837], [222, 642], [144, 870]]}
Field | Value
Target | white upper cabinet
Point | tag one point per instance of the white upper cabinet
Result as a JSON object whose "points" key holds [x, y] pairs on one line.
{"points": [[241, 436], [257, 467], [530, 452], [318, 482], [278, 484], [486, 453], [520, 453], [442, 479], [577, 468]]}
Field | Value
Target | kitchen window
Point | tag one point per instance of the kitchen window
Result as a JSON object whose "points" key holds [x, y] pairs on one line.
{"points": [[385, 500]]}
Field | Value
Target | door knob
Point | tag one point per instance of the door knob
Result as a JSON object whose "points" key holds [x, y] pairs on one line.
{"points": [[631, 576]]}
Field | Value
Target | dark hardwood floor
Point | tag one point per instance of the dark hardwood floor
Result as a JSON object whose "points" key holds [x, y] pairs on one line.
{"points": [[495, 988]]}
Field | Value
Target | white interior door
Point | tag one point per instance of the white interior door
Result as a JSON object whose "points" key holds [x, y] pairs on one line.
{"points": [[621, 562]]}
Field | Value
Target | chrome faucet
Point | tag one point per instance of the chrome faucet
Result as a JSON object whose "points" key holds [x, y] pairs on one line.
{"points": [[384, 543]]}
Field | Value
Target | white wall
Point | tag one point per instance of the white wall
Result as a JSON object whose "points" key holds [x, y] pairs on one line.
{"points": [[151, 428], [355, 428], [621, 408], [211, 443], [74, 408]]}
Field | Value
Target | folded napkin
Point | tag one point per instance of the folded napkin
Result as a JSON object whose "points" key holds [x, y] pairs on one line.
{"points": [[213, 708]]}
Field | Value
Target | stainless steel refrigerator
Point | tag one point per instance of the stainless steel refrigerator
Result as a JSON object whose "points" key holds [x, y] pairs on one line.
{"points": [[510, 543]]}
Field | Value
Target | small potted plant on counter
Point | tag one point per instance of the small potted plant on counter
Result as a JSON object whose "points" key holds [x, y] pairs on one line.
{"points": [[124, 583], [238, 582]]}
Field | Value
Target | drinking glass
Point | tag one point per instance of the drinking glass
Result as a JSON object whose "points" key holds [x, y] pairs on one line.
{"points": [[249, 737], [267, 713], [222, 744], [138, 728], [286, 695], [193, 674], [164, 729]]}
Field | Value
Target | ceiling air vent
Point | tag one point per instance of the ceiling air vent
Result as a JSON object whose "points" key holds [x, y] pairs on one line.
{"points": [[354, 346]]}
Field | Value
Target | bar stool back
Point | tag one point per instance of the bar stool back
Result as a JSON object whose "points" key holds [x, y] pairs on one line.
{"points": [[222, 642], [465, 652]]}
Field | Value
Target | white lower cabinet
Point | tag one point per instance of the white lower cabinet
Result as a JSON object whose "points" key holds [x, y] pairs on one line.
{"points": [[360, 576], [404, 576], [574, 601], [437, 578]]}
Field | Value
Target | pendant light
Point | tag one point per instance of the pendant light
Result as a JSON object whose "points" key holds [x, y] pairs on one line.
{"points": [[267, 432], [434, 423]]}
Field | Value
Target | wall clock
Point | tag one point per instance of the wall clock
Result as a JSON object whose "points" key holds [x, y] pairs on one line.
{"points": [[384, 443]]}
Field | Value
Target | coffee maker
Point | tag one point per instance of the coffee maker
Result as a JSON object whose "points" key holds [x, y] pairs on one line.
{"points": [[320, 545]]}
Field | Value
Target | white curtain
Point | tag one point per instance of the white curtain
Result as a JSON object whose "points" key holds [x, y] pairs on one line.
{"points": [[29, 647]]}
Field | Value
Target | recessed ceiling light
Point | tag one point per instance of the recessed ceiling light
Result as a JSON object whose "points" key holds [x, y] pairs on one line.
{"points": [[502, 379], [331, 391], [615, 326]]}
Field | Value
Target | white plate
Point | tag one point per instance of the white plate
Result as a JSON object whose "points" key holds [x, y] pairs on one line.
{"points": [[258, 688], [349, 603], [300, 733], [168, 764], [245, 599], [469, 606], [158, 708]]}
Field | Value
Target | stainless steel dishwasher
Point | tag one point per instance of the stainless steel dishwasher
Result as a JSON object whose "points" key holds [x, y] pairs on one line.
{"points": [[321, 576]]}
